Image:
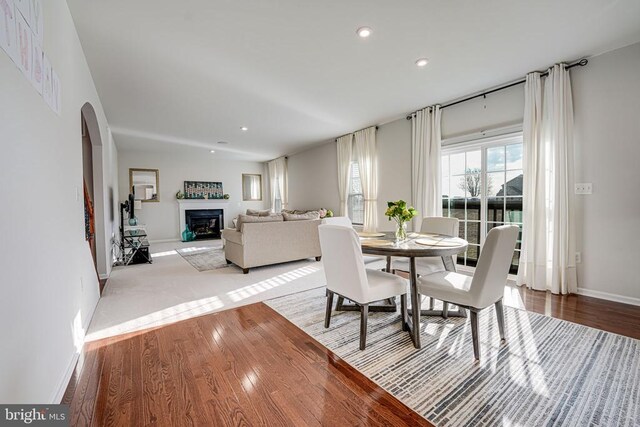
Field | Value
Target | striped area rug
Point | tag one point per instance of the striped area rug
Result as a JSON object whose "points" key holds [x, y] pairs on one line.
{"points": [[550, 372]]}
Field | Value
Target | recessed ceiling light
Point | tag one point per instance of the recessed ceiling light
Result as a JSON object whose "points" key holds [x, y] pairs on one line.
{"points": [[364, 32], [422, 62], [212, 151], [244, 128]]}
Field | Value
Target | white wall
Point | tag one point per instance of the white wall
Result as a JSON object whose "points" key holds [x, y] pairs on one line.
{"points": [[175, 167], [394, 167], [606, 97], [607, 133], [313, 178], [49, 284]]}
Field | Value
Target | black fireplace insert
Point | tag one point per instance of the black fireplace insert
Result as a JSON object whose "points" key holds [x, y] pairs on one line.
{"points": [[205, 223]]}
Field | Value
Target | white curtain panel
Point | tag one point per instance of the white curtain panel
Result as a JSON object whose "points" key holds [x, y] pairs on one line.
{"points": [[426, 179], [278, 182], [547, 261], [367, 156], [345, 153]]}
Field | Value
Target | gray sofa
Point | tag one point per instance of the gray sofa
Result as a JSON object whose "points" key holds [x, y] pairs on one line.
{"points": [[266, 243]]}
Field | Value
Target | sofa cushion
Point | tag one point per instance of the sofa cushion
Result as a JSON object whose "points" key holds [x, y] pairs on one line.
{"points": [[296, 211], [255, 212], [250, 218], [301, 217]]}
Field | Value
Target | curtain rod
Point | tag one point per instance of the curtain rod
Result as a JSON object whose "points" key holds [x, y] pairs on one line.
{"points": [[354, 132], [580, 63]]}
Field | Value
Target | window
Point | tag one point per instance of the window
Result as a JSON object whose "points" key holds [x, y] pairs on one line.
{"points": [[356, 198], [482, 187]]}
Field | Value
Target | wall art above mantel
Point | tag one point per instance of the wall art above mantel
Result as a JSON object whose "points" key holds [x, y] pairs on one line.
{"points": [[203, 190]]}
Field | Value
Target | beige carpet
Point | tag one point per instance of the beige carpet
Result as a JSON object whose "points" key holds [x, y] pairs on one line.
{"points": [[147, 295]]}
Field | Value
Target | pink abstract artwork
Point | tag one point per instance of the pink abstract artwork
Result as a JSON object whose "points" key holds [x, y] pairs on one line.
{"points": [[8, 28], [36, 67], [46, 80], [24, 45]]}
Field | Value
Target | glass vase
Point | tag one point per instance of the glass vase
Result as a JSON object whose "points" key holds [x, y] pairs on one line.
{"points": [[401, 231]]}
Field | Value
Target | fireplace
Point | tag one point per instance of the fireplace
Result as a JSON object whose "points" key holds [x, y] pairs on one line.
{"points": [[205, 223]]}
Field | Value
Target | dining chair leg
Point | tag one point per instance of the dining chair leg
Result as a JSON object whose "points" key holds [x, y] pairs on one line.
{"points": [[474, 333], [403, 309], [500, 316], [364, 314], [327, 315], [445, 309], [415, 303]]}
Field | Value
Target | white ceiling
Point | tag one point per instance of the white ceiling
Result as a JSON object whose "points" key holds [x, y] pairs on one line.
{"points": [[193, 72]]}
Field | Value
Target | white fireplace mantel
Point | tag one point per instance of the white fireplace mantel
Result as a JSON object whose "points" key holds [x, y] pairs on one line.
{"points": [[190, 204]]}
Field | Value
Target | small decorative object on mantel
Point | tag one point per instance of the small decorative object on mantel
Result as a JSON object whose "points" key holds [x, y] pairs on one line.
{"points": [[179, 195], [401, 214], [325, 213], [226, 196], [203, 190]]}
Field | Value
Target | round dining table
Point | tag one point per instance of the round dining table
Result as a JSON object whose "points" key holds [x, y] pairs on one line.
{"points": [[414, 246]]}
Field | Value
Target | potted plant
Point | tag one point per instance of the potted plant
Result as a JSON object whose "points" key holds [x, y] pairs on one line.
{"points": [[325, 213], [401, 214]]}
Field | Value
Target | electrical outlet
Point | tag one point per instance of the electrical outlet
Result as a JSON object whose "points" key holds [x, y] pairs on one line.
{"points": [[578, 257], [584, 188]]}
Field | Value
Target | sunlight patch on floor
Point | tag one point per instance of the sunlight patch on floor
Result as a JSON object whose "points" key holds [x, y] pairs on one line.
{"points": [[524, 362], [512, 298], [165, 253], [270, 283], [196, 249], [165, 316]]}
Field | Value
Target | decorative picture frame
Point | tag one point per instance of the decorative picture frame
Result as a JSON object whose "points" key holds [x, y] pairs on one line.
{"points": [[203, 190], [145, 184], [251, 187]]}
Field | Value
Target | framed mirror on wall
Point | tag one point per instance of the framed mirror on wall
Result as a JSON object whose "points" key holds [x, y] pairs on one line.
{"points": [[251, 187], [145, 184]]}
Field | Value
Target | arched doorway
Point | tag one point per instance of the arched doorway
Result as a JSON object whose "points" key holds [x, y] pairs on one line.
{"points": [[92, 171], [88, 192]]}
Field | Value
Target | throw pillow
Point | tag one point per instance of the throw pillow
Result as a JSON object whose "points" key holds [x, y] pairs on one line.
{"points": [[301, 216], [242, 219], [255, 212]]}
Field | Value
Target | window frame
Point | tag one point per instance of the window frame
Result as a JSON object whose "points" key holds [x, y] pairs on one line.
{"points": [[484, 144]]}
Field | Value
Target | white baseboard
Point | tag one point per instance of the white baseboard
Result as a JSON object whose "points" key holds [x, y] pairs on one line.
{"points": [[64, 382], [608, 296], [62, 387]]}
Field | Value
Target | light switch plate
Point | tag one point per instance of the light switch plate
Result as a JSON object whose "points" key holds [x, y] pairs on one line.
{"points": [[584, 188]]}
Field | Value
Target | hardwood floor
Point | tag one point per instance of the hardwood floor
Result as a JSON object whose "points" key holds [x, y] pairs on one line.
{"points": [[250, 366], [622, 319], [246, 366]]}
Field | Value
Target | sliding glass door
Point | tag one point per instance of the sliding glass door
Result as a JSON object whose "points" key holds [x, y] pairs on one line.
{"points": [[482, 187]]}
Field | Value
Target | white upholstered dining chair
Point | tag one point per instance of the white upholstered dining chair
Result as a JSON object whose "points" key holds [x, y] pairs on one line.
{"points": [[345, 221], [347, 277], [430, 225], [485, 288]]}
